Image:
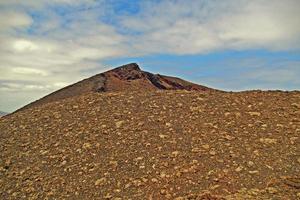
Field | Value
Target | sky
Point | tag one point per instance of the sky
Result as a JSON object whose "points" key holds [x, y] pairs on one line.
{"points": [[231, 45]]}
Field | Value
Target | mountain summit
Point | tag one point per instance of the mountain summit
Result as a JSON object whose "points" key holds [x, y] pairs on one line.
{"points": [[131, 77], [127, 77]]}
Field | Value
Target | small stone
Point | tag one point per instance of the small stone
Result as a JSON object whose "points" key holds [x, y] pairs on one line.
{"points": [[163, 174], [163, 191], [264, 125], [272, 190], [239, 169], [154, 180], [257, 114], [119, 124], [196, 150], [296, 105], [139, 158], [113, 163], [108, 196], [141, 123], [144, 180], [212, 152], [127, 185], [86, 145], [168, 124], [253, 172], [205, 146], [162, 136], [268, 140], [49, 193], [298, 160], [250, 163], [137, 182], [227, 114], [256, 152], [198, 109], [178, 174], [228, 137], [175, 153], [214, 187], [100, 182], [237, 114]]}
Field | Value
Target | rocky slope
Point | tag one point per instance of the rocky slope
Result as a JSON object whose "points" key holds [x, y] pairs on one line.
{"points": [[154, 144]]}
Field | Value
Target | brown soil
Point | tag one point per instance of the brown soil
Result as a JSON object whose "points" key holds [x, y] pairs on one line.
{"points": [[154, 145]]}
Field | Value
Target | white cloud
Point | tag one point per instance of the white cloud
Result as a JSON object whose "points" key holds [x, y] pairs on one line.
{"points": [[29, 71], [13, 19], [24, 45], [190, 27]]}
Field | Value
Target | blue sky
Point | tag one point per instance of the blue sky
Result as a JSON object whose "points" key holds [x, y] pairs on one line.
{"points": [[225, 44]]}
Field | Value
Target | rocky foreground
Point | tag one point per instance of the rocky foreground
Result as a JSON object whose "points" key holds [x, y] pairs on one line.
{"points": [[154, 145]]}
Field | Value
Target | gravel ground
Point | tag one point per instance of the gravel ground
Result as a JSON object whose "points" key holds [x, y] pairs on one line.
{"points": [[154, 145]]}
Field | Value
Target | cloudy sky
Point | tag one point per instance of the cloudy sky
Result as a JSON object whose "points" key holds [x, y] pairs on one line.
{"points": [[226, 44]]}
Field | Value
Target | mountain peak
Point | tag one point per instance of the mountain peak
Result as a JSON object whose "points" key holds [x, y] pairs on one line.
{"points": [[128, 67], [127, 77]]}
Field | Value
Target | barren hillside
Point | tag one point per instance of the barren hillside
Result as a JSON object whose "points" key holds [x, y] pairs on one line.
{"points": [[154, 144]]}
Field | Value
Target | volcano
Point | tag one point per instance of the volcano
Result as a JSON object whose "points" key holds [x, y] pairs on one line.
{"points": [[129, 134]]}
